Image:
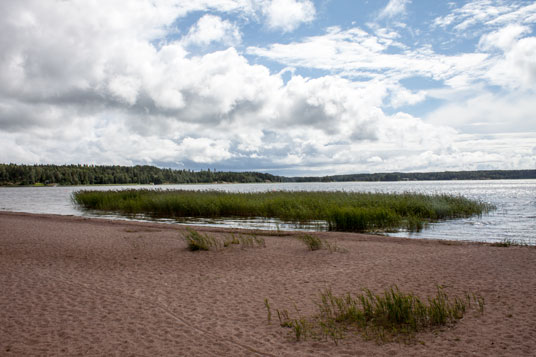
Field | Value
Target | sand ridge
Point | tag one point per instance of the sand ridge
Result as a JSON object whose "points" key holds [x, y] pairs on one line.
{"points": [[78, 286]]}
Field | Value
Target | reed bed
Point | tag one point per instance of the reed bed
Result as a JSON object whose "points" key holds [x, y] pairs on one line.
{"points": [[343, 211]]}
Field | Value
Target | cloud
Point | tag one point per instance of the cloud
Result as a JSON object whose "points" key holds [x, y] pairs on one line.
{"points": [[394, 8], [357, 53], [209, 29], [516, 67], [489, 113], [118, 83], [503, 38], [488, 13], [287, 15]]}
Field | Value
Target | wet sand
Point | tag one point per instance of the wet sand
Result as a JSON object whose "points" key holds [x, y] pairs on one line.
{"points": [[76, 286]]}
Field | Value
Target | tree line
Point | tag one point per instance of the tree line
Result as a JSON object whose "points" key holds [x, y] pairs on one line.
{"points": [[13, 174], [428, 176]]}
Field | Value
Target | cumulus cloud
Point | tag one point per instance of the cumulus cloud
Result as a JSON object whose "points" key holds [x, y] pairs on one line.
{"points": [[489, 113], [118, 83], [516, 67], [287, 15], [503, 38], [210, 28]]}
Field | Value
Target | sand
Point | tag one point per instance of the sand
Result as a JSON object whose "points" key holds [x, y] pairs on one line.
{"points": [[76, 286]]}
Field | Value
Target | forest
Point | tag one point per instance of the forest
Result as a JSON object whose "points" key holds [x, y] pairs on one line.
{"points": [[428, 176], [25, 175], [11, 174]]}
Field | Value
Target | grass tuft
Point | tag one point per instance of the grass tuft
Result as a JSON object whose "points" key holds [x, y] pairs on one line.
{"points": [[392, 315], [506, 242], [197, 241], [312, 242], [316, 243]]}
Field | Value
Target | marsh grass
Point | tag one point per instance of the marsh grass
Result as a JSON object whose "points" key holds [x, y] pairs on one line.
{"points": [[312, 242], [505, 243], [203, 242], [198, 241], [391, 316], [316, 243], [342, 211]]}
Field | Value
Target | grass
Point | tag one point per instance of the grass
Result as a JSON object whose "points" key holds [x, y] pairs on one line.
{"points": [[315, 243], [392, 315], [506, 242], [196, 241], [342, 211], [312, 242]]}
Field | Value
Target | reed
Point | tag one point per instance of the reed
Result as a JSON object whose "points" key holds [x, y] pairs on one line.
{"points": [[198, 241], [393, 315], [342, 211]]}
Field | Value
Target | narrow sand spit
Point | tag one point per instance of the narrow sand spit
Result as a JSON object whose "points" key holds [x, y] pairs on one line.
{"points": [[76, 286]]}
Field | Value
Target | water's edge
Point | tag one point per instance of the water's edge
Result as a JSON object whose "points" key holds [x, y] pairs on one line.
{"points": [[513, 220]]}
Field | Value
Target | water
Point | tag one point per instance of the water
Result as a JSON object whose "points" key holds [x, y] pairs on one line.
{"points": [[514, 219]]}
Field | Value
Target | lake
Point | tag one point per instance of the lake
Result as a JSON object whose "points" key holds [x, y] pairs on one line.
{"points": [[514, 218]]}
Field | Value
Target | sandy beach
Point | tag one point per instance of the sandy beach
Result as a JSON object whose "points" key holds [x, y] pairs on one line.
{"points": [[74, 286]]}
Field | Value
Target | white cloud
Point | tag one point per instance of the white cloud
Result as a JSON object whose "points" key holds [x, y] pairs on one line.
{"points": [[488, 13], [355, 53], [401, 96], [394, 8], [112, 83], [517, 67], [287, 15], [503, 38], [211, 29], [125, 88], [488, 113]]}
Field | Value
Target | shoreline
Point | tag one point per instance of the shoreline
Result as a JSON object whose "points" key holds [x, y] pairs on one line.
{"points": [[178, 226], [77, 286]]}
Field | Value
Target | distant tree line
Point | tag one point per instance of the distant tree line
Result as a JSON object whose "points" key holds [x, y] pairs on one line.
{"points": [[13, 174], [427, 176]]}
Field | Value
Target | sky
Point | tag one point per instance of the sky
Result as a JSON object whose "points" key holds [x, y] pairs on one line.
{"points": [[289, 87]]}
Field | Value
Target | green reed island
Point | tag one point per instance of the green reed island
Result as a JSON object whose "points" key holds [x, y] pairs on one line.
{"points": [[343, 211]]}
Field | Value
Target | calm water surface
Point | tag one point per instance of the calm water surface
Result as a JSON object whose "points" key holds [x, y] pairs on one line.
{"points": [[514, 219]]}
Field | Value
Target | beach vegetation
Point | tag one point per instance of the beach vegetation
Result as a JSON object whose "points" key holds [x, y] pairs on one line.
{"points": [[197, 241], [389, 316], [316, 243], [312, 242], [507, 242], [342, 211]]}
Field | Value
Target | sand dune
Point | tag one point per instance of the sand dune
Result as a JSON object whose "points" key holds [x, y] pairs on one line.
{"points": [[75, 286]]}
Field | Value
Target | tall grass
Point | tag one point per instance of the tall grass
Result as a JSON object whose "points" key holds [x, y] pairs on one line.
{"points": [[392, 315], [343, 211], [197, 241]]}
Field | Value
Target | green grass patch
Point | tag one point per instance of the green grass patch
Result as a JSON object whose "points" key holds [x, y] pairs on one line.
{"points": [[342, 211], [312, 242], [316, 243], [197, 241], [390, 316]]}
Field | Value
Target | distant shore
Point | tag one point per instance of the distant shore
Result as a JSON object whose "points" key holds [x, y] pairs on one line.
{"points": [[80, 286], [42, 175]]}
